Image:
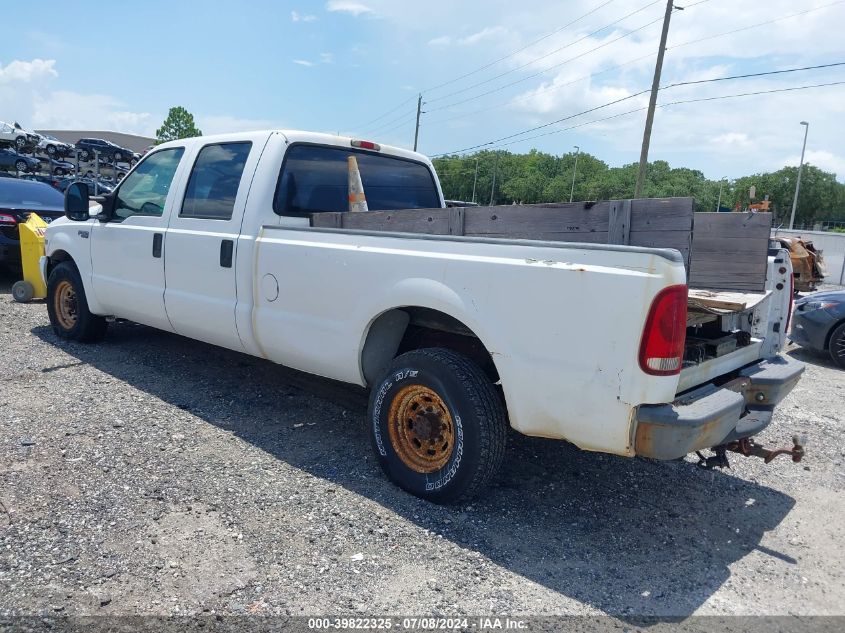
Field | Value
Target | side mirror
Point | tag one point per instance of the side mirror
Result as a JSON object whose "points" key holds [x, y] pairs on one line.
{"points": [[76, 202]]}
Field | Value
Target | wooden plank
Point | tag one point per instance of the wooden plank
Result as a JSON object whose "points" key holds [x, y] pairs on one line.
{"points": [[662, 214], [729, 250], [539, 222], [733, 301], [327, 220], [619, 222], [456, 220]]}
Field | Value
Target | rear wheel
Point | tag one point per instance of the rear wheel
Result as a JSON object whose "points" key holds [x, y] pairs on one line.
{"points": [[20, 142], [836, 347], [437, 425], [51, 150], [67, 306]]}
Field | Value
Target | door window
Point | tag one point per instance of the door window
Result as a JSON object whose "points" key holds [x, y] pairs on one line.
{"points": [[144, 191], [214, 181]]}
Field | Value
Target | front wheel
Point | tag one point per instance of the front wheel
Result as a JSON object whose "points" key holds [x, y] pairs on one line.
{"points": [[837, 345], [67, 306], [437, 425], [21, 165]]}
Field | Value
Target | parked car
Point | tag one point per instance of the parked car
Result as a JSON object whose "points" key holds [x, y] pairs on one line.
{"points": [[107, 150], [11, 159], [53, 147], [102, 188], [47, 180], [14, 135], [808, 269], [457, 337], [818, 323], [19, 197], [60, 167]]}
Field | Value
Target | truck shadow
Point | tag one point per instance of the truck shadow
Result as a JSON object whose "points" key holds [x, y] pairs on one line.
{"points": [[629, 537]]}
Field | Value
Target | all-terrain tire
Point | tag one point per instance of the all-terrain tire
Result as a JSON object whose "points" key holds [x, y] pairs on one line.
{"points": [[67, 306], [437, 425]]}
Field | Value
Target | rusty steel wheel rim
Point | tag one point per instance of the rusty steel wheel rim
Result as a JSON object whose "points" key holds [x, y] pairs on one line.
{"points": [[421, 429], [64, 302]]}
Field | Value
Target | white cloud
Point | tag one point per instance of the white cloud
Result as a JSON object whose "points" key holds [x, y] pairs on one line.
{"points": [[303, 62], [221, 124], [300, 17], [28, 71], [327, 58], [64, 109], [484, 34], [822, 159], [348, 6], [443, 40]]}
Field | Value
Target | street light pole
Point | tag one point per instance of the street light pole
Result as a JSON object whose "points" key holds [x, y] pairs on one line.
{"points": [[475, 180], [719, 201], [798, 182], [574, 172]]}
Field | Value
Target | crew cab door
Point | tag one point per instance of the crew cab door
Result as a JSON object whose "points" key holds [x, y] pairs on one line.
{"points": [[202, 243], [127, 252]]}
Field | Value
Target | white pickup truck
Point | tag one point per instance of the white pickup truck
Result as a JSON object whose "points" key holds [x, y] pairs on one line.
{"points": [[456, 337]]}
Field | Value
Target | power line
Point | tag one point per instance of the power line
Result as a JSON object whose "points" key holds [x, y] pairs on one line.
{"points": [[581, 39], [545, 70], [755, 26], [544, 91], [672, 103], [636, 94], [519, 50], [488, 65], [378, 118], [380, 127]]}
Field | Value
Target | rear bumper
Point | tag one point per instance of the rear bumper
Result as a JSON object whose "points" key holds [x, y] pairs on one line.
{"points": [[710, 416]]}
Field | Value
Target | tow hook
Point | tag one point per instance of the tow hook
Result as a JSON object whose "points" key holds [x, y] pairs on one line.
{"points": [[749, 448]]}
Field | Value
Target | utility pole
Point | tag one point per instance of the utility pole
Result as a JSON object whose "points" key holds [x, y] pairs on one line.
{"points": [[574, 171], [493, 187], [652, 102], [417, 129], [475, 180], [798, 182]]}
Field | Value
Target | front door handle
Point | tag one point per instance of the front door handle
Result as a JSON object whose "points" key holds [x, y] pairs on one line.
{"points": [[158, 238], [226, 249]]}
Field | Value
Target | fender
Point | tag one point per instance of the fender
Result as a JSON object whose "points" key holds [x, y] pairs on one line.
{"points": [[69, 240]]}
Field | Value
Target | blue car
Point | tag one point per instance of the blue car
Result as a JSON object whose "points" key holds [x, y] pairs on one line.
{"points": [[818, 323]]}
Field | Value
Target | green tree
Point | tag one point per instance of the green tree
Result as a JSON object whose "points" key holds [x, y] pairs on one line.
{"points": [[178, 124]]}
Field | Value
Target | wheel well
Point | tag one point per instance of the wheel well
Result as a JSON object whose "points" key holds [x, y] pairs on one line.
{"points": [[56, 258], [404, 329]]}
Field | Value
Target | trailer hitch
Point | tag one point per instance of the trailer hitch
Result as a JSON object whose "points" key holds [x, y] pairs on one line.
{"points": [[747, 447]]}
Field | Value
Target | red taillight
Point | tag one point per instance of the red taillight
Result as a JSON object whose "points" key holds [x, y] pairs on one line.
{"points": [[5, 218], [366, 145], [662, 346]]}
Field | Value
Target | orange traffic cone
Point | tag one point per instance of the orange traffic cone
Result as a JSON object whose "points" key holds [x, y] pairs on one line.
{"points": [[357, 200]]}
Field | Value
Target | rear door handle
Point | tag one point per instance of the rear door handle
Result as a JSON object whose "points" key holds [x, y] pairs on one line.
{"points": [[158, 238], [226, 249]]}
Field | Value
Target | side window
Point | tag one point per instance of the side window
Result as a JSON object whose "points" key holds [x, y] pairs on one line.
{"points": [[214, 181], [144, 191], [315, 178]]}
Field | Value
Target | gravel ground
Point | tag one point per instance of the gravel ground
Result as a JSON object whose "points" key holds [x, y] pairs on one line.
{"points": [[151, 474]]}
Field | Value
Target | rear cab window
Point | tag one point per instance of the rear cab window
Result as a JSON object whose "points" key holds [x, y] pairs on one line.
{"points": [[314, 178]]}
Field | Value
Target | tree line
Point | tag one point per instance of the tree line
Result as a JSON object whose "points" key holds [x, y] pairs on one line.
{"points": [[539, 177]]}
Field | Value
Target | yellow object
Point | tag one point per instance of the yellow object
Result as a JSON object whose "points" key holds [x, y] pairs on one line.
{"points": [[31, 235]]}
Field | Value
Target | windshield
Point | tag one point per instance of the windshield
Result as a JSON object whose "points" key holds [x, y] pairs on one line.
{"points": [[25, 194], [316, 178]]}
